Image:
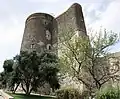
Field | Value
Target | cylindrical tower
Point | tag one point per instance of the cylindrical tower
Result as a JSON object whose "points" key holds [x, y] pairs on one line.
{"points": [[40, 32]]}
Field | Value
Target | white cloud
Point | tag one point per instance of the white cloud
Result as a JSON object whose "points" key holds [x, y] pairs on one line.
{"points": [[44, 1], [110, 18], [10, 40]]}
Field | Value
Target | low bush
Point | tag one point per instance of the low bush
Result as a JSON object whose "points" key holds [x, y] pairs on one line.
{"points": [[68, 93], [108, 93]]}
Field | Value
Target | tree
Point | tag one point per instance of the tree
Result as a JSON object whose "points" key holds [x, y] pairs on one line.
{"points": [[50, 62], [9, 78], [87, 59], [35, 69], [5, 75], [31, 70], [14, 79], [51, 76], [8, 65], [2, 80]]}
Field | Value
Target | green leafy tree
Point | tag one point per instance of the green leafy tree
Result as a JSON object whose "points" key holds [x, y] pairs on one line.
{"points": [[87, 59], [35, 69], [14, 79], [5, 75], [8, 65], [51, 76], [30, 70], [49, 64], [2, 80]]}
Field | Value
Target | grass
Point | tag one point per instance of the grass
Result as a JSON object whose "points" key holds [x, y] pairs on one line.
{"points": [[23, 96]]}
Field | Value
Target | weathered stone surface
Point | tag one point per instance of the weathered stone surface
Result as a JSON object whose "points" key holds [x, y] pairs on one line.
{"points": [[41, 29], [40, 32], [72, 19]]}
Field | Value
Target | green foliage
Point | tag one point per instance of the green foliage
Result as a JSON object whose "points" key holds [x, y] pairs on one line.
{"points": [[8, 65], [10, 76], [108, 93], [2, 80], [87, 58], [31, 70], [36, 69], [49, 66], [50, 75], [7, 73], [68, 93], [14, 80]]}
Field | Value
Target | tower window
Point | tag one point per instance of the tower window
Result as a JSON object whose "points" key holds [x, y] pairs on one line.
{"points": [[45, 22], [32, 46], [48, 46]]}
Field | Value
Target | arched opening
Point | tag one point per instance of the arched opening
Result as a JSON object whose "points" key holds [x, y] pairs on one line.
{"points": [[49, 47]]}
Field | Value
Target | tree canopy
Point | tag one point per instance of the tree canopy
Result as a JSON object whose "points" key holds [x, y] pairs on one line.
{"points": [[32, 70], [87, 59]]}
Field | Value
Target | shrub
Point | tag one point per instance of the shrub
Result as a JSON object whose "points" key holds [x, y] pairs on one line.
{"points": [[68, 93], [108, 93]]}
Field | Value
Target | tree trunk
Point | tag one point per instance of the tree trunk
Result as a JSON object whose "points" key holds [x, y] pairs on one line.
{"points": [[23, 88], [27, 93], [30, 90], [27, 89], [16, 88]]}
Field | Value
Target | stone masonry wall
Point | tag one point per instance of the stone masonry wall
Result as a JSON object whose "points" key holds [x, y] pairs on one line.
{"points": [[72, 19], [40, 32]]}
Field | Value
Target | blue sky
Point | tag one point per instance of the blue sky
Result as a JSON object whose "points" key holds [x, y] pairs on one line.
{"points": [[13, 14]]}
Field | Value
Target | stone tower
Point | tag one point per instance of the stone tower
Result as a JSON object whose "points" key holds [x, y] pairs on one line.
{"points": [[40, 32], [41, 29], [72, 18]]}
